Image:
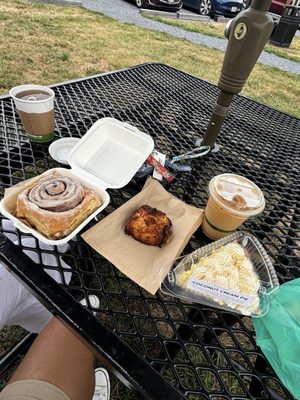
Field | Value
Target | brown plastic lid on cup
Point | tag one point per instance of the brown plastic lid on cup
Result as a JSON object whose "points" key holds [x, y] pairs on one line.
{"points": [[237, 194]]}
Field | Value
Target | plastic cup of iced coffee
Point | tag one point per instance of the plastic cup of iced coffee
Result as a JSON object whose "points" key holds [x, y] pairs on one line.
{"points": [[232, 200], [35, 106]]}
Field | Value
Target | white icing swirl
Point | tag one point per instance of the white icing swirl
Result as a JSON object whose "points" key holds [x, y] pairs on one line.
{"points": [[57, 193]]}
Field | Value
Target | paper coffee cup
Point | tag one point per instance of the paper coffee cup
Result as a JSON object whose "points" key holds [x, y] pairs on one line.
{"points": [[35, 106], [232, 200]]}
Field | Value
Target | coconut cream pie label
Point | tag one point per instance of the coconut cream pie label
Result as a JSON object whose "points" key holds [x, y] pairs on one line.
{"points": [[220, 293]]}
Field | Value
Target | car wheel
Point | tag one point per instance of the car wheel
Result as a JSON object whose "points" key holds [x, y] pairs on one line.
{"points": [[139, 3], [246, 4], [205, 7]]}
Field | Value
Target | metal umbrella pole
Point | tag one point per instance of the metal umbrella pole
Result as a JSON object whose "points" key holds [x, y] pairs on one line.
{"points": [[248, 33]]}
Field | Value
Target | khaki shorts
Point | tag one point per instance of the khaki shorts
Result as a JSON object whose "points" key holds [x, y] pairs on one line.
{"points": [[32, 390]]}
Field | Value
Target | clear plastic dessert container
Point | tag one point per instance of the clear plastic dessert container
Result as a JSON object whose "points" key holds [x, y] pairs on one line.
{"points": [[234, 273]]}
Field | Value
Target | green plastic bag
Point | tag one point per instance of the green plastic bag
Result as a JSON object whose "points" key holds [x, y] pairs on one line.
{"points": [[278, 334]]}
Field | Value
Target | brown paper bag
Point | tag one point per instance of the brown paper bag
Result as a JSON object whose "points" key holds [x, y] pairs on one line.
{"points": [[142, 263]]}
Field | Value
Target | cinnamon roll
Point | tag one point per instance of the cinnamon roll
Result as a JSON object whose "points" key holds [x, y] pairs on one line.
{"points": [[56, 205]]}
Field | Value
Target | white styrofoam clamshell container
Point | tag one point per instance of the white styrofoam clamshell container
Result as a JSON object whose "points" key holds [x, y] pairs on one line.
{"points": [[107, 156], [23, 227], [110, 153]]}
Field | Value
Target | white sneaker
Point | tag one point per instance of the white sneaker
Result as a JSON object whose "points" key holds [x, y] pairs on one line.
{"points": [[102, 384]]}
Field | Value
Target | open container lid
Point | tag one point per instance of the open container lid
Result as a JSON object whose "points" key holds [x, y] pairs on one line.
{"points": [[185, 279], [238, 194], [110, 153], [61, 148]]}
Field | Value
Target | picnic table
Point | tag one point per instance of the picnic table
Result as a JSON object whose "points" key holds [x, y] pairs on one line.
{"points": [[164, 347]]}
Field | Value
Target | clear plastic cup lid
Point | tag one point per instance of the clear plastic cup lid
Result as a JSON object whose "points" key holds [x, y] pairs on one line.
{"points": [[238, 193], [234, 273]]}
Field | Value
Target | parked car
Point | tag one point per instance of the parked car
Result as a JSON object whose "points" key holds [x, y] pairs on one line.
{"points": [[277, 6], [166, 5], [229, 8]]}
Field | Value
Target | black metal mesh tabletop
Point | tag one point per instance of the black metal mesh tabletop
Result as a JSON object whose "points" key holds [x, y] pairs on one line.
{"points": [[203, 352]]}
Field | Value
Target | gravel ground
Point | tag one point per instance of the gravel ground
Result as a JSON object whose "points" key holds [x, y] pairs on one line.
{"points": [[127, 12]]}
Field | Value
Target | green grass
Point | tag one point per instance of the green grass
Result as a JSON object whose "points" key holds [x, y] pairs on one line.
{"points": [[216, 29], [49, 43], [9, 336]]}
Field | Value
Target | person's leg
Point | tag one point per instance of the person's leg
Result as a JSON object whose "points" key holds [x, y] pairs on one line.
{"points": [[58, 357]]}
